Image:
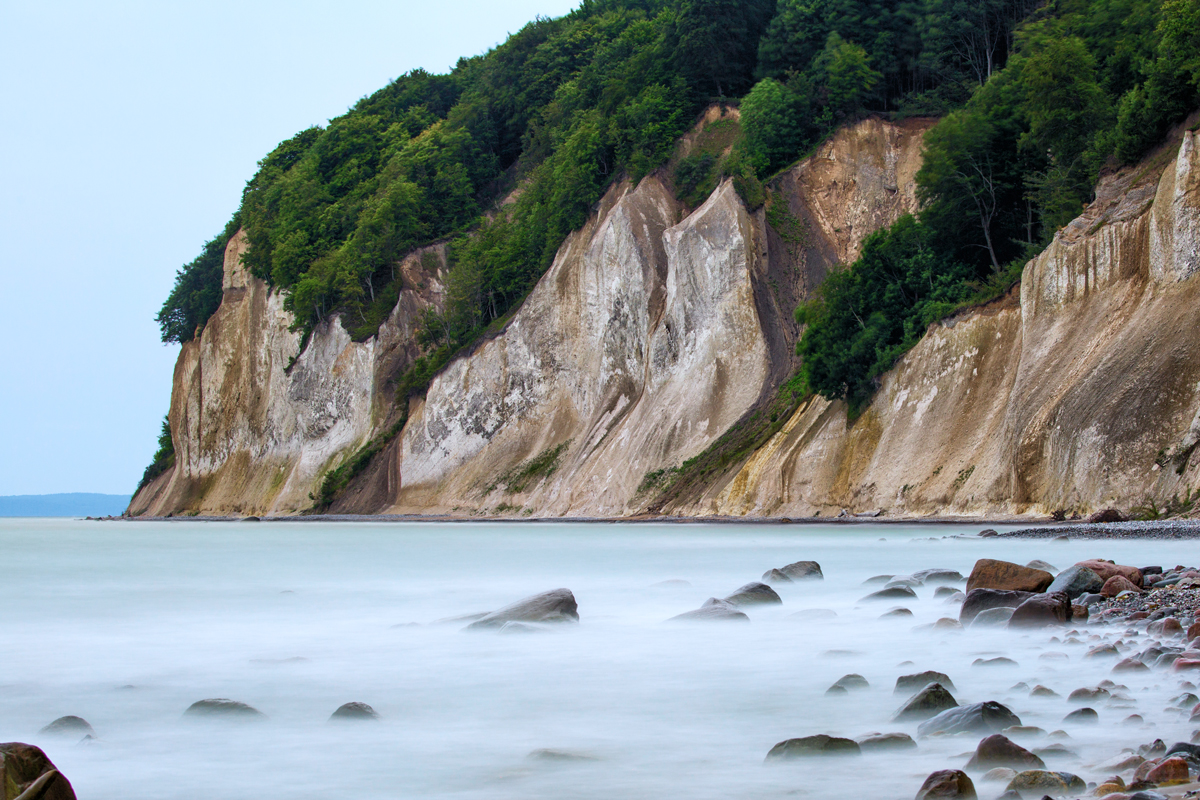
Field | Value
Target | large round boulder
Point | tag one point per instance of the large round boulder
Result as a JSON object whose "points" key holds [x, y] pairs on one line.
{"points": [[1117, 584], [557, 605], [1041, 610], [990, 573], [998, 750], [947, 784], [979, 600], [929, 702], [1076, 580], [893, 593], [753, 594], [819, 745], [26, 772], [886, 741], [987, 717]]}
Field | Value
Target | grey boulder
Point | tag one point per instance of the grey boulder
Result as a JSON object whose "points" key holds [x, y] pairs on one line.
{"points": [[753, 594], [987, 717], [1075, 581], [713, 610], [557, 605]]}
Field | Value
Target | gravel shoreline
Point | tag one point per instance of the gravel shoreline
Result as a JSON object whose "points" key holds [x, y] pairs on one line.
{"points": [[1156, 529]]}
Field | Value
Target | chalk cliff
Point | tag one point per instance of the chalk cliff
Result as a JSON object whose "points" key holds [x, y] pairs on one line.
{"points": [[659, 327]]}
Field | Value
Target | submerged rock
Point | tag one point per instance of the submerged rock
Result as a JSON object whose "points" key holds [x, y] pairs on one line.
{"points": [[1085, 715], [886, 741], [928, 702], [354, 711], [559, 756], [947, 784], [803, 571], [69, 725], [557, 605], [919, 680], [775, 576], [26, 773], [713, 610], [852, 681], [894, 593], [819, 745], [998, 750], [223, 707], [988, 717], [754, 594], [938, 575], [979, 600]]}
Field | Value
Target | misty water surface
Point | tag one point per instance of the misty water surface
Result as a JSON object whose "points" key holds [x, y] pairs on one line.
{"points": [[127, 624]]}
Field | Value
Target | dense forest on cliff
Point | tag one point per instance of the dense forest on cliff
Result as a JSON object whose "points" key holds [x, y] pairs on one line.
{"points": [[509, 152]]}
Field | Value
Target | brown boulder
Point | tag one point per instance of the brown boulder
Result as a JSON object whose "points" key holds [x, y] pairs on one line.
{"points": [[1131, 665], [1167, 626], [1053, 608], [1106, 515], [998, 750], [26, 772], [820, 745], [947, 783], [1193, 631], [929, 702], [1117, 584], [1169, 770], [992, 574], [1106, 569]]}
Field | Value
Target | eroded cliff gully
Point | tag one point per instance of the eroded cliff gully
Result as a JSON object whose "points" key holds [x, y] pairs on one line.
{"points": [[658, 328]]}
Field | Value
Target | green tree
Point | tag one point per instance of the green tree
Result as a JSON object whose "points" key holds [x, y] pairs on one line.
{"points": [[774, 128], [843, 71]]}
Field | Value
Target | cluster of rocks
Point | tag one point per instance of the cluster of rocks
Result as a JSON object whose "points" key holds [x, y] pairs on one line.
{"points": [[755, 593]]}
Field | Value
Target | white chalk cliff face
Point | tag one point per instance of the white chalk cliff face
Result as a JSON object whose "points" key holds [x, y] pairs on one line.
{"points": [[658, 328], [255, 437], [1080, 393]]}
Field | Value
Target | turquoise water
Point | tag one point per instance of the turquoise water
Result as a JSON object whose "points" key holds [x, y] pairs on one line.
{"points": [[127, 624]]}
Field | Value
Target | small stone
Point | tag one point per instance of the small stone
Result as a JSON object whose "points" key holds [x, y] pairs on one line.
{"points": [[222, 707], [1117, 584], [1168, 626], [947, 784], [813, 613], [999, 661], [852, 681], [944, 591], [775, 576], [894, 593], [803, 571], [898, 611], [1043, 691], [1130, 665], [948, 624], [548, 754], [713, 610]]}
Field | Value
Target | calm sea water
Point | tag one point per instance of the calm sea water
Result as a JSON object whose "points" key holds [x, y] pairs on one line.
{"points": [[127, 624]]}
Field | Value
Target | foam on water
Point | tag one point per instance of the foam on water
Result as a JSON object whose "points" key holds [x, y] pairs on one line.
{"points": [[126, 625]]}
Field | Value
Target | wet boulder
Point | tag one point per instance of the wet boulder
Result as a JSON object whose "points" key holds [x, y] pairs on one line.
{"points": [[1042, 610], [713, 610], [998, 750], [1117, 584], [807, 746], [1082, 716], [557, 605], [1035, 783], [352, 712], [775, 576], [929, 702], [69, 726], [1076, 580], [906, 684], [987, 717], [753, 594], [852, 682], [886, 741], [947, 784], [1169, 770], [1107, 569], [979, 600], [993, 617], [893, 593], [803, 571], [938, 575], [990, 573], [223, 707], [27, 773]]}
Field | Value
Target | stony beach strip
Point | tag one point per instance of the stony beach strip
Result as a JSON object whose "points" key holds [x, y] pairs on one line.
{"points": [[1155, 529]]}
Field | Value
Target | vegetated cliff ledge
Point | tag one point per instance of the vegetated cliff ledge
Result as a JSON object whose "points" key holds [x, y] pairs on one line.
{"points": [[656, 330]]}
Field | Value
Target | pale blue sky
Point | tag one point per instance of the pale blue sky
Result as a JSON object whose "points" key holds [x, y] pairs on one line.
{"points": [[127, 130]]}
